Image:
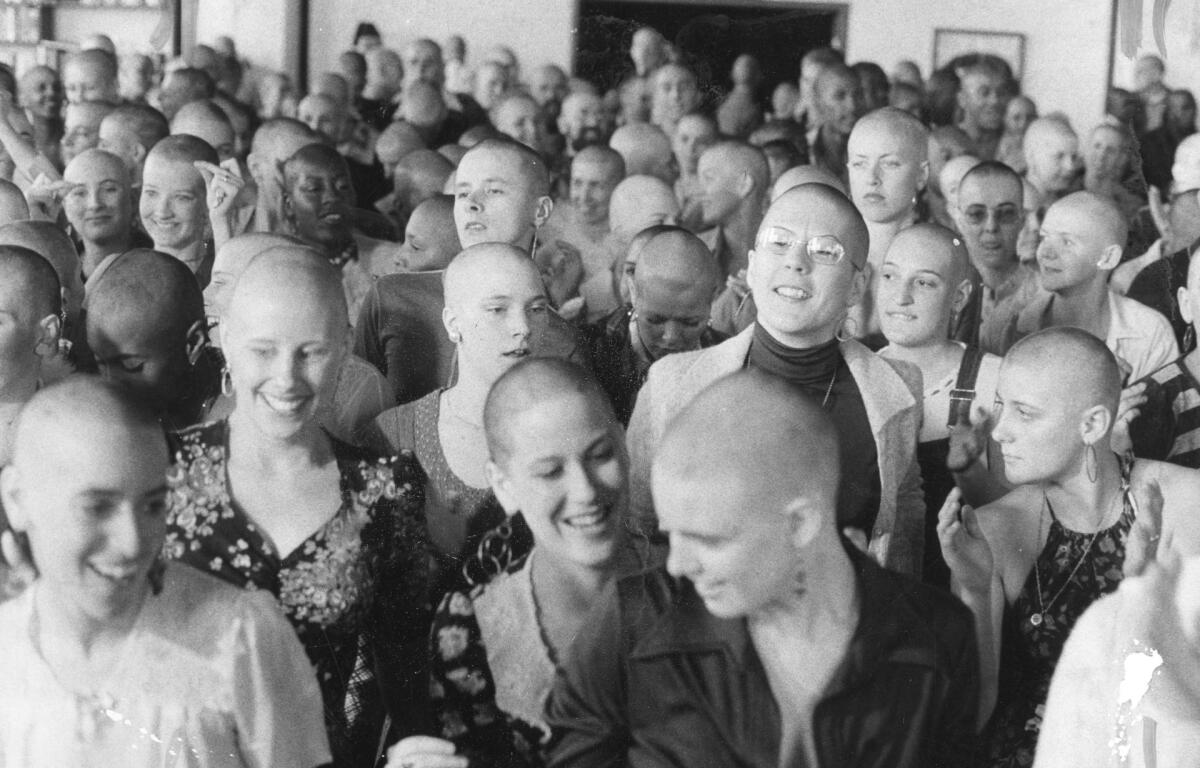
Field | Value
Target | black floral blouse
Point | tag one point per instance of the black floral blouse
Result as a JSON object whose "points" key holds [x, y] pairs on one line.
{"points": [[354, 590]]}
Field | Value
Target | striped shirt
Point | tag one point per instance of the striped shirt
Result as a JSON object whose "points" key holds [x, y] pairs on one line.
{"points": [[1168, 427]]}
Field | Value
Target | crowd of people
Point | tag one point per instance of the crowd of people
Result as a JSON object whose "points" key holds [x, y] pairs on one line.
{"points": [[455, 413]]}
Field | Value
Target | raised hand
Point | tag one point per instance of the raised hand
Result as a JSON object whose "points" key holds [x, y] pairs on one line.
{"points": [[1141, 547], [45, 196], [964, 547], [424, 752], [223, 184]]}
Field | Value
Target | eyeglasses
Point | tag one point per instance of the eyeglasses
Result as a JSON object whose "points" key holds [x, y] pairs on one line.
{"points": [[822, 249], [978, 215]]}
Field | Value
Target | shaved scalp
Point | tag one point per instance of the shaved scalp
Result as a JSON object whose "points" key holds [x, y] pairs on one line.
{"points": [[911, 130], [276, 131], [465, 268], [296, 272], [425, 168], [199, 110], [614, 164], [992, 169], [747, 159], [628, 197], [1074, 356], [237, 252], [116, 164], [319, 155], [826, 204], [528, 385], [806, 174], [935, 237], [52, 244], [440, 211], [13, 206], [95, 58], [1102, 212], [399, 138], [185, 148], [147, 123], [54, 413], [156, 288], [750, 426], [533, 168], [642, 145], [36, 277], [675, 257]]}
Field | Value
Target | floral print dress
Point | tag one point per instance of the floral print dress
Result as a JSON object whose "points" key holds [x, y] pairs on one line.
{"points": [[1030, 647], [354, 590]]}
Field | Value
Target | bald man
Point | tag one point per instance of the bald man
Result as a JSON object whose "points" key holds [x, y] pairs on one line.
{"points": [[838, 103], [583, 224], [144, 317], [1052, 160], [91, 75], [646, 151], [671, 299], [674, 93], [31, 303], [1082, 238], [805, 273], [983, 93], [766, 640], [275, 141]]}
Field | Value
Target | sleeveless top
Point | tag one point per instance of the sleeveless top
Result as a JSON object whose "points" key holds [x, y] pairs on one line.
{"points": [[1029, 652]]}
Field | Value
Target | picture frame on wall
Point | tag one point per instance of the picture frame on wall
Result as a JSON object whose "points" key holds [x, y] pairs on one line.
{"points": [[949, 44]]}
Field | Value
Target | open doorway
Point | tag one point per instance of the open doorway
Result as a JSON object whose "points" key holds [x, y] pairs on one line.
{"points": [[709, 35]]}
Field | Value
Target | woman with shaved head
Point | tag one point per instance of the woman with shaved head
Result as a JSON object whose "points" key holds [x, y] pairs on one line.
{"points": [[267, 500], [496, 314], [1030, 563], [556, 461]]}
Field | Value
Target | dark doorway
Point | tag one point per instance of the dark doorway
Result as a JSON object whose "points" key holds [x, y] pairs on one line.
{"points": [[709, 36]]}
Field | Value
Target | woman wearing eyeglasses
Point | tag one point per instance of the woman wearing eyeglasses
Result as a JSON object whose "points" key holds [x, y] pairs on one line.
{"points": [[806, 273]]}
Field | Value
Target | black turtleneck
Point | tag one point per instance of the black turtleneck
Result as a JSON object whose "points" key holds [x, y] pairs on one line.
{"points": [[812, 370]]}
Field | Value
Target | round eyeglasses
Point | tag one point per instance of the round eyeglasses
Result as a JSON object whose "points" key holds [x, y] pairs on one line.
{"points": [[822, 249]]}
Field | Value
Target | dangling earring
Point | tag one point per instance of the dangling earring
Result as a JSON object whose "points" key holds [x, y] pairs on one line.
{"points": [[1091, 463], [1189, 338], [226, 382], [846, 330], [156, 573]]}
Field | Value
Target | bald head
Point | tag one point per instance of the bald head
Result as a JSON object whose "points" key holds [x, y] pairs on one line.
{"points": [[231, 260], [530, 384], [12, 203], [52, 244], [606, 158], [934, 245], [641, 201], [800, 207], [806, 174], [467, 270], [208, 122], [746, 427], [908, 133], [157, 290], [396, 141], [422, 174], [646, 150], [34, 278], [430, 237], [1102, 216], [1065, 354], [294, 275], [678, 261], [1051, 152], [88, 410], [279, 138]]}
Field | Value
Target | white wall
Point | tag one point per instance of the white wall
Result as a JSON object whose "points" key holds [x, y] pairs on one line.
{"points": [[263, 30], [129, 28], [539, 31], [1182, 37], [1066, 43]]}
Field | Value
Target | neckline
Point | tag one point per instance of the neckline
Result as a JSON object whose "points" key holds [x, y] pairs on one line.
{"points": [[439, 455], [1127, 509]]}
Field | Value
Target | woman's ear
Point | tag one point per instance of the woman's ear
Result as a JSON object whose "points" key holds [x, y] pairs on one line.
{"points": [[450, 322], [1096, 423], [961, 294], [545, 206], [804, 516], [501, 487], [11, 495]]}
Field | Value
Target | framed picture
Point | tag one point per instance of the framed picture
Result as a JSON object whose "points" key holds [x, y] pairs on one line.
{"points": [[948, 44]]}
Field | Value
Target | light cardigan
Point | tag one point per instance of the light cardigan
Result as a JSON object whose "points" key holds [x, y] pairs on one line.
{"points": [[891, 394]]}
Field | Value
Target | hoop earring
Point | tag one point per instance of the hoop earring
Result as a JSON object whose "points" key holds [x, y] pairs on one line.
{"points": [[846, 330], [1189, 338], [226, 381], [1091, 463]]}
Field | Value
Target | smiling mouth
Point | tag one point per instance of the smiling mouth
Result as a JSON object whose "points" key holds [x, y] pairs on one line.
{"points": [[589, 521], [792, 293], [473, 226], [120, 575], [517, 353], [902, 316], [285, 406]]}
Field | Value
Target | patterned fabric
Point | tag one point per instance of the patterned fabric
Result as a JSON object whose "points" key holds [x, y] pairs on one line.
{"points": [[1029, 652], [488, 653], [1168, 428], [355, 586]]}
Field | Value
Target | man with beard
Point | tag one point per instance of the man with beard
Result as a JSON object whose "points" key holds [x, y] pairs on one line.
{"points": [[982, 96], [318, 201]]}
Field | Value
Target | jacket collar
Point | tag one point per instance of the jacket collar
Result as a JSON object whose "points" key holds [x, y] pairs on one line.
{"points": [[884, 393], [887, 627]]}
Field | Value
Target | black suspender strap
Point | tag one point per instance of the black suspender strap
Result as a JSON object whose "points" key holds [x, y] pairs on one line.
{"points": [[963, 393]]}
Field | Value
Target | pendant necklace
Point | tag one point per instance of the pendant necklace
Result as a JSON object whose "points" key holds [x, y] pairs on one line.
{"points": [[1037, 618]]}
